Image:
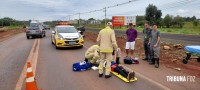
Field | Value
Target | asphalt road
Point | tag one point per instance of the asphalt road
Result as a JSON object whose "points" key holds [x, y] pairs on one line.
{"points": [[54, 72], [174, 38], [13, 55], [54, 69]]}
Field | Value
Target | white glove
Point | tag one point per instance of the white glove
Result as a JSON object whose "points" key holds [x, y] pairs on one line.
{"points": [[82, 62]]}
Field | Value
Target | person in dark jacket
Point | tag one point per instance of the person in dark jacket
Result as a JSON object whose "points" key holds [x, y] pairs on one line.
{"points": [[147, 32]]}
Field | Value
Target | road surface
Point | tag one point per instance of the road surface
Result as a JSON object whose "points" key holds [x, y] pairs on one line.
{"points": [[54, 69]]}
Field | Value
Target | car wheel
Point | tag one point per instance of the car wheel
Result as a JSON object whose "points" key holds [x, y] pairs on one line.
{"points": [[27, 37], [56, 45], [44, 35], [30, 37], [41, 36], [81, 46]]}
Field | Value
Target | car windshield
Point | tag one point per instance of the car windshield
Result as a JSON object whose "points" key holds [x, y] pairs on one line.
{"points": [[33, 28], [33, 24], [66, 30]]}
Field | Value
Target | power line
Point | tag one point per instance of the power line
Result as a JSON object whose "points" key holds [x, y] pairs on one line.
{"points": [[167, 6], [97, 10]]}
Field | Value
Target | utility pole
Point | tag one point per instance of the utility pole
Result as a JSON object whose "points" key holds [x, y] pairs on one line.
{"points": [[2, 22], [69, 17], [105, 16]]}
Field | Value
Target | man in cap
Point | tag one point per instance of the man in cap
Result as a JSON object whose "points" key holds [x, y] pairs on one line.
{"points": [[106, 41]]}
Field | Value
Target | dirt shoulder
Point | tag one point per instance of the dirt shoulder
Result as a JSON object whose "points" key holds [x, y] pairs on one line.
{"points": [[171, 58], [5, 34]]}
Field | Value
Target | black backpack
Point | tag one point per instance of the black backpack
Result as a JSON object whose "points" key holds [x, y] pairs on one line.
{"points": [[128, 60]]}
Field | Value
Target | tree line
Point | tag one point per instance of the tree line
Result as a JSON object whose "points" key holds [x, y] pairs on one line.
{"points": [[153, 15], [7, 21]]}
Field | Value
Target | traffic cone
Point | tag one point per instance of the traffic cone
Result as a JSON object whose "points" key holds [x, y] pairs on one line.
{"points": [[30, 80]]}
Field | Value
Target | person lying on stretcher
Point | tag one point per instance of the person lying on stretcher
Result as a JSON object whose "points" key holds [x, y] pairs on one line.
{"points": [[123, 71], [120, 69]]}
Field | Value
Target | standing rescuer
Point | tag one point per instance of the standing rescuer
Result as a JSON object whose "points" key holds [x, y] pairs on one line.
{"points": [[147, 32], [106, 41], [154, 42]]}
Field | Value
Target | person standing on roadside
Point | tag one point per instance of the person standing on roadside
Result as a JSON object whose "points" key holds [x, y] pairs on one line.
{"points": [[154, 42], [106, 41], [131, 36], [147, 32]]}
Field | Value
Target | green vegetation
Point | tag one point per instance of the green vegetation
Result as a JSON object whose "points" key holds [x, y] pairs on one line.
{"points": [[153, 14], [168, 24], [6, 21], [14, 27], [11, 27]]}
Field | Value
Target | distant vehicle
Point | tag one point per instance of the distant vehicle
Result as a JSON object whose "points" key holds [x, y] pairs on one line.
{"points": [[66, 36], [35, 31], [46, 27], [35, 23], [81, 30]]}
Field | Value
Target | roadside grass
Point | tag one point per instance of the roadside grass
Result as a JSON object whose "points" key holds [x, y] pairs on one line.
{"points": [[10, 28], [188, 28]]}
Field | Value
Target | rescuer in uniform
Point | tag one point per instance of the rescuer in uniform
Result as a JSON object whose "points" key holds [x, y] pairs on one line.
{"points": [[92, 55], [106, 41]]}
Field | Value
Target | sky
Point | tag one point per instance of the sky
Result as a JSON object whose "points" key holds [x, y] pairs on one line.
{"points": [[47, 10]]}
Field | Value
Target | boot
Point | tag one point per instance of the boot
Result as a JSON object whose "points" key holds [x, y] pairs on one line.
{"points": [[131, 75], [100, 75], [152, 61], [117, 60], [94, 64], [108, 76], [145, 58], [150, 58], [156, 62], [86, 60]]}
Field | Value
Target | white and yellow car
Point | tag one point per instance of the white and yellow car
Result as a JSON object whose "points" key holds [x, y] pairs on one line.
{"points": [[66, 36]]}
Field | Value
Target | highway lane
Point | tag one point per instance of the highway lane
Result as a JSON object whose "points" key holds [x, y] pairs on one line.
{"points": [[54, 72], [175, 38], [13, 55]]}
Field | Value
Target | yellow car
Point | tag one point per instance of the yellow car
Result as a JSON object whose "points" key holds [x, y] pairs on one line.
{"points": [[66, 36]]}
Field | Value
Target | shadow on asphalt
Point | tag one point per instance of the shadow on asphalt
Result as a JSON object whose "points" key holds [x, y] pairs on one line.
{"points": [[69, 48]]}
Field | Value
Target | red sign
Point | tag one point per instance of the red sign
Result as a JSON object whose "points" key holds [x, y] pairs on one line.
{"points": [[118, 20]]}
